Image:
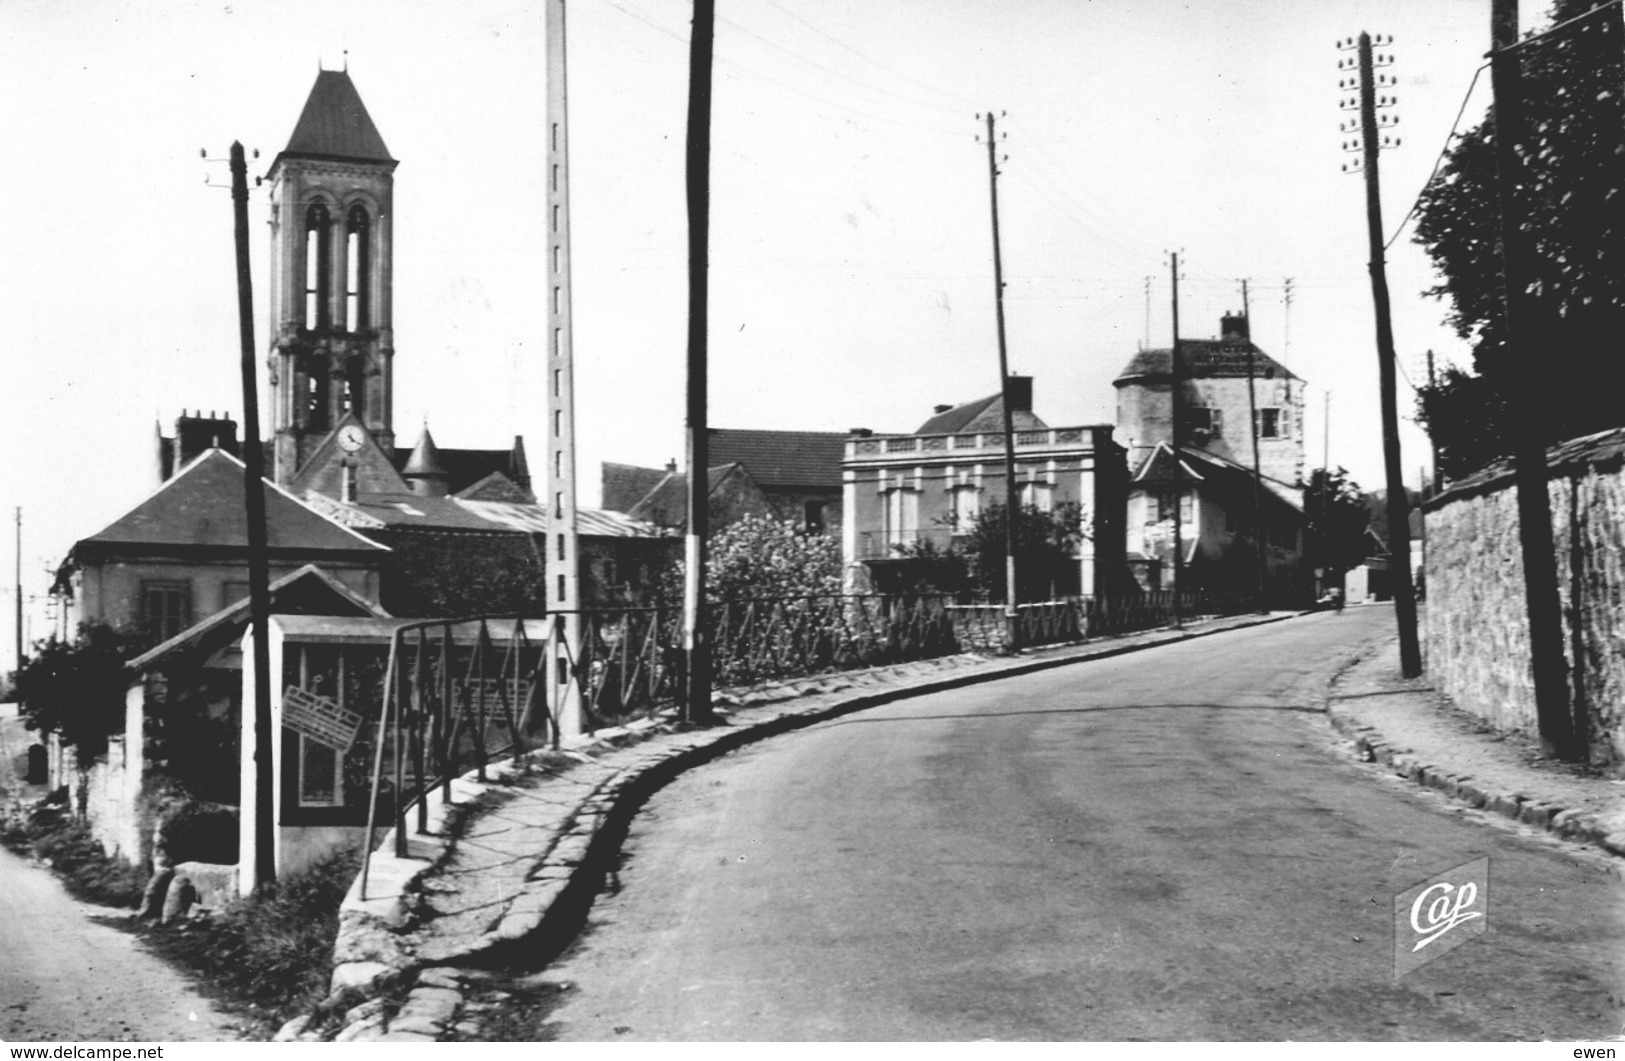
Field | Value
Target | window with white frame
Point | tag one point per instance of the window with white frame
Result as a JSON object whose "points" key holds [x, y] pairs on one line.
{"points": [[964, 505], [1272, 423], [1039, 495], [1204, 420], [902, 516]]}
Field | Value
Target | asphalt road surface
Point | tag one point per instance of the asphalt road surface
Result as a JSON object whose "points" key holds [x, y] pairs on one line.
{"points": [[1169, 844]]}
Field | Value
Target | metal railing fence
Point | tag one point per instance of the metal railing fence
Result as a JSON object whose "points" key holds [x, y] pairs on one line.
{"points": [[459, 693]]}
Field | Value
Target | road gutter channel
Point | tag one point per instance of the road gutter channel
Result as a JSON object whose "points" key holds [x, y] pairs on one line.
{"points": [[370, 962], [1371, 746]]}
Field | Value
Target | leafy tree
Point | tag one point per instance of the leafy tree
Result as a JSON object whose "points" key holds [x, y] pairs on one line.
{"points": [[1573, 204], [1045, 543], [76, 688], [1338, 515], [759, 557]]}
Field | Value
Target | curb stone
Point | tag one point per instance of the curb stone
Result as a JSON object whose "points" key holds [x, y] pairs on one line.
{"points": [[623, 767], [1569, 824]]}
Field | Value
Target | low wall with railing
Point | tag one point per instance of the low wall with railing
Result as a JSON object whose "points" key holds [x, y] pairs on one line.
{"points": [[456, 694]]}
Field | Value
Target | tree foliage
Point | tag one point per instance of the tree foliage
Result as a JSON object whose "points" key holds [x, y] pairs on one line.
{"points": [[1338, 515], [1045, 544], [76, 688], [1572, 205], [757, 557]]}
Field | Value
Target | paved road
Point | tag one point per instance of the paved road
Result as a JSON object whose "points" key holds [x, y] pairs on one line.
{"points": [[65, 976], [1164, 845]]}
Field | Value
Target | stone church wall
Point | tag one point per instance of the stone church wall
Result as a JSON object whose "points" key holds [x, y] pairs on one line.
{"points": [[1477, 627]]}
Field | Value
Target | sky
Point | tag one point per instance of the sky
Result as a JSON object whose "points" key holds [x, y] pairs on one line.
{"points": [[851, 253]]}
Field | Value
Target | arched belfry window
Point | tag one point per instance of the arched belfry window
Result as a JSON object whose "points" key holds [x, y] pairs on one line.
{"points": [[318, 267], [355, 388], [316, 397], [358, 233]]}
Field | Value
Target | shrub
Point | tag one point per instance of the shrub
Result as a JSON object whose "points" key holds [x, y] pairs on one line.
{"points": [[49, 834], [274, 949], [76, 688]]}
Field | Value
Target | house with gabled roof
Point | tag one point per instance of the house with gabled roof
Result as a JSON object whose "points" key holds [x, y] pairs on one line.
{"points": [[1224, 522], [182, 553], [788, 475], [1232, 395]]}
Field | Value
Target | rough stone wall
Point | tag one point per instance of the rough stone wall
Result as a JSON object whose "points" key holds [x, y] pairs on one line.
{"points": [[1477, 625]]}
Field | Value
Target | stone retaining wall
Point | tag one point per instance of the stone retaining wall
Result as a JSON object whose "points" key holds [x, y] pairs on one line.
{"points": [[1477, 626]]}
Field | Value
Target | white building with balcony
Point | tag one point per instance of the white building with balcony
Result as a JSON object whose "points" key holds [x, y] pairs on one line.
{"points": [[908, 497]]}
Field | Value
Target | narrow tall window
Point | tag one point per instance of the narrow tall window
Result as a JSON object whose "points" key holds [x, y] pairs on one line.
{"points": [[318, 267], [1039, 495], [316, 417], [964, 505], [902, 517], [358, 231], [355, 388]]}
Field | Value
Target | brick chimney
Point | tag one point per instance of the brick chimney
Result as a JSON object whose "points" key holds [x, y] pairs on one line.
{"points": [[1020, 389], [1234, 327], [196, 433]]}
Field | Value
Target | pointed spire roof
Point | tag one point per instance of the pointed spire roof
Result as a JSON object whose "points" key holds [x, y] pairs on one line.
{"points": [[335, 124], [425, 461]]}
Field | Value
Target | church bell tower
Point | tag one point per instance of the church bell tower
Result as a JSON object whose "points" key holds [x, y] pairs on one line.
{"points": [[332, 344]]}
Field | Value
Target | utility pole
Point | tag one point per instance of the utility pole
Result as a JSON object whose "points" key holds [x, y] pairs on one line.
{"points": [[1012, 624], [1325, 485], [19, 587], [1258, 475], [259, 581], [696, 646], [1147, 343], [1433, 442], [1176, 393], [563, 560], [1523, 385], [1399, 532], [1286, 320]]}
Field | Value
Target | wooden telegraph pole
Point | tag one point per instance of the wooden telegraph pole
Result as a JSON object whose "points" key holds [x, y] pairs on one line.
{"points": [[1258, 476], [1176, 371], [1012, 623], [696, 649], [19, 581], [1399, 529], [259, 580], [1522, 383]]}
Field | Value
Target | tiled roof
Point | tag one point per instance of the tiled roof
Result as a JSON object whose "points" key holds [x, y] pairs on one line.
{"points": [[624, 485], [782, 458], [203, 505], [1198, 465], [335, 123], [307, 591], [1206, 359], [668, 501], [407, 511], [984, 414], [412, 511], [466, 467]]}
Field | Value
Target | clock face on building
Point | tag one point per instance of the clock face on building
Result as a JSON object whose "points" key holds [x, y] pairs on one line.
{"points": [[351, 437]]}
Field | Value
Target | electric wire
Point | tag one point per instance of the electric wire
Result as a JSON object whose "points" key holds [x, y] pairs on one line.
{"points": [[1438, 162]]}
